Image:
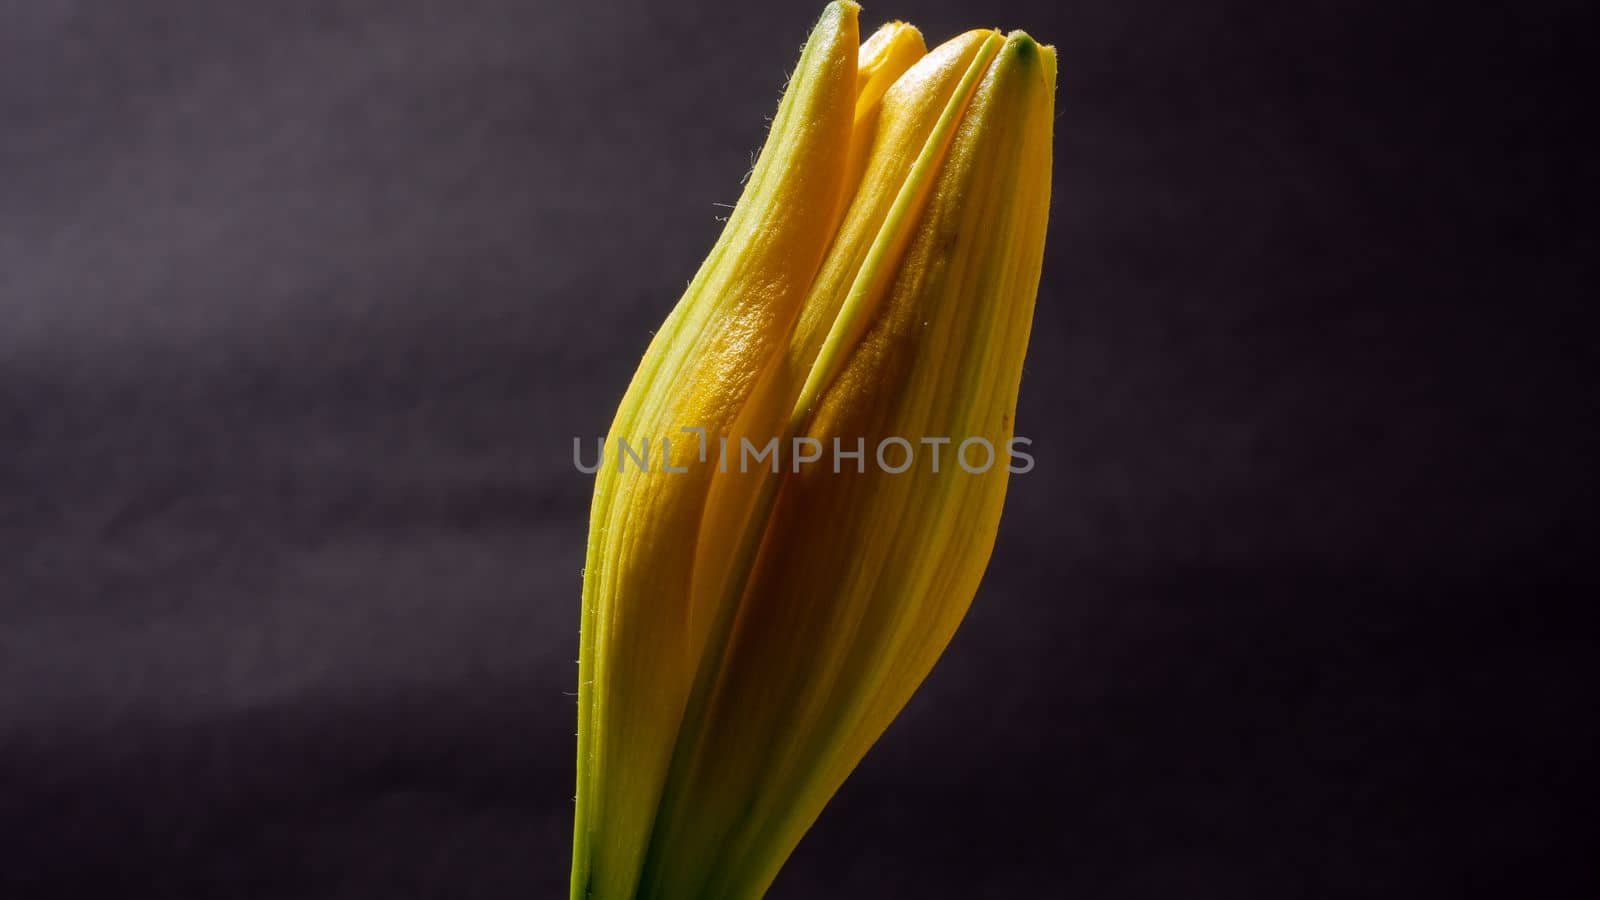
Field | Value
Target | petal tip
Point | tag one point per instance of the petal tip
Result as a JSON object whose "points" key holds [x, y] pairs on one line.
{"points": [[1023, 51], [1021, 45], [839, 9]]}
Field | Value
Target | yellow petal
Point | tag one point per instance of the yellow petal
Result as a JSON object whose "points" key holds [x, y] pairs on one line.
{"points": [[885, 56], [638, 644]]}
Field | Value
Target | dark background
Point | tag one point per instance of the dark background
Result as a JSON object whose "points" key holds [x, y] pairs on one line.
{"points": [[301, 304]]}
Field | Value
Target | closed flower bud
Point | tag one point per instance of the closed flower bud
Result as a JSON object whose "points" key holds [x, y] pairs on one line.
{"points": [[751, 628]]}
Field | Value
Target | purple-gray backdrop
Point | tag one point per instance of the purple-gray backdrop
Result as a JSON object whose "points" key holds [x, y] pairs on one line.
{"points": [[302, 301]]}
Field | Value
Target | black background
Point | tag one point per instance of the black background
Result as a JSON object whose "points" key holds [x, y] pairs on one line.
{"points": [[302, 302]]}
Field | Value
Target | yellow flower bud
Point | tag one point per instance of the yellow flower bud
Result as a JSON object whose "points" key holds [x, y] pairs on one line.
{"points": [[749, 630]]}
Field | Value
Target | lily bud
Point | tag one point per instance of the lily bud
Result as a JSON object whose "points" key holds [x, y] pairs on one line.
{"points": [[749, 630]]}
